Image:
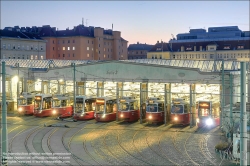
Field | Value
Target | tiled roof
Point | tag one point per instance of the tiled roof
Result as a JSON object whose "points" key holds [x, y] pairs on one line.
{"points": [[158, 47], [22, 35], [146, 47]]}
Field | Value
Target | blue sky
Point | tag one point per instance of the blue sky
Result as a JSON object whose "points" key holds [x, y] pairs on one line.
{"points": [[138, 21]]}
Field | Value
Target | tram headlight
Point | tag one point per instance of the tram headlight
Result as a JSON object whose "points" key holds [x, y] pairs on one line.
{"points": [[150, 117], [198, 120], [121, 115], [103, 116], [20, 109], [209, 121], [94, 114], [175, 118], [54, 112]]}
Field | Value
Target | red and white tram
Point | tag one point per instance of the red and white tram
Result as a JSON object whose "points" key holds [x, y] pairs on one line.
{"points": [[42, 105], [62, 105], [155, 110], [180, 112], [128, 109], [206, 114], [85, 108], [26, 103], [105, 109]]}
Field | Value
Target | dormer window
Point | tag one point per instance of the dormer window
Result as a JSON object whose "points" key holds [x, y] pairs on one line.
{"points": [[227, 47], [158, 49], [188, 48], [240, 47]]}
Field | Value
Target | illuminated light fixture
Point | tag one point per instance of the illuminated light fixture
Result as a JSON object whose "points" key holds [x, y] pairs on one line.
{"points": [[38, 80], [54, 112], [61, 80], [198, 120], [150, 117], [175, 118], [20, 109], [103, 116], [15, 79], [209, 122], [121, 115]]}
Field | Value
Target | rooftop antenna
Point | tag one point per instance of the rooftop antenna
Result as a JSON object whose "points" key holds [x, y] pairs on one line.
{"points": [[112, 26], [86, 22], [82, 21]]}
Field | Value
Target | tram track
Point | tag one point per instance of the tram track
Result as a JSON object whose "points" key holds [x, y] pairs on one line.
{"points": [[195, 141]]}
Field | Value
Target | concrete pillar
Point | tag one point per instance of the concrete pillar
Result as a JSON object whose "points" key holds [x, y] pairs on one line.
{"points": [[167, 102], [192, 101], [143, 99]]}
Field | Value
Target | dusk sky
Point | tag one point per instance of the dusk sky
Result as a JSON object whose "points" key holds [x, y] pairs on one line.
{"points": [[138, 21]]}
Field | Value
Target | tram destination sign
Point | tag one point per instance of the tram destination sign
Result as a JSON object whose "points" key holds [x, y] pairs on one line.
{"points": [[204, 105]]}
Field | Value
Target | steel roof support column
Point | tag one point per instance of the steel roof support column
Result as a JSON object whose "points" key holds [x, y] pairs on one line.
{"points": [[231, 77], [4, 129], [167, 102], [143, 98], [243, 115], [100, 89], [192, 104], [222, 92], [74, 85]]}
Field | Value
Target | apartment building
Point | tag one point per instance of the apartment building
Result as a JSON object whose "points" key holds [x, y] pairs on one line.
{"points": [[138, 50], [227, 43], [84, 43], [16, 44]]}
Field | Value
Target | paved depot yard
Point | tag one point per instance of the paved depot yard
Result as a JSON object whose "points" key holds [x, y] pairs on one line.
{"points": [[46, 141]]}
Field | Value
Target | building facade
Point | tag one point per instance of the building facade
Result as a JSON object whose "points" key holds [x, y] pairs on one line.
{"points": [[84, 43], [227, 43], [138, 50], [16, 44]]}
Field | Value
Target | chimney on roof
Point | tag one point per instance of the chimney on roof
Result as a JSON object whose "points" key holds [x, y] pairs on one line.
{"points": [[158, 41], [137, 42]]}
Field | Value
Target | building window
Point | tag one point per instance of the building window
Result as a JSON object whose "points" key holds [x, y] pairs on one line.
{"points": [[87, 48], [41, 47], [99, 45], [31, 56], [68, 55], [53, 48], [189, 48], [41, 56], [4, 46], [63, 55], [104, 56], [92, 49], [63, 48], [240, 47], [158, 49], [73, 41], [87, 55], [226, 47], [58, 55], [73, 48], [104, 49], [73, 55], [18, 47], [99, 52], [68, 41], [68, 48], [63, 41]]}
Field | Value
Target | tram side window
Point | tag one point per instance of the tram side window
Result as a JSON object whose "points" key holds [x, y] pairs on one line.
{"points": [[185, 108], [136, 105], [29, 101], [46, 103], [64, 103], [160, 107], [132, 106]]}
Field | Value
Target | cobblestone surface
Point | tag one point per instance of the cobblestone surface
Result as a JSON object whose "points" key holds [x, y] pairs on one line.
{"points": [[113, 143]]}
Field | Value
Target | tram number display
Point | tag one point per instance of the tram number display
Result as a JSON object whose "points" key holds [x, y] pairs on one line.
{"points": [[79, 100], [38, 98], [204, 105]]}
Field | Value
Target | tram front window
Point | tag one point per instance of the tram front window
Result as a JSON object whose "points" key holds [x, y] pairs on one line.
{"points": [[151, 108], [38, 104], [56, 103], [99, 108], [204, 112], [177, 109], [22, 102], [124, 106], [79, 108]]}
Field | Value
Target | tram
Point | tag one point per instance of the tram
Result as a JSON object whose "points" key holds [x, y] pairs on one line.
{"points": [[62, 105], [42, 105], [155, 110], [26, 103], [207, 115], [180, 112], [128, 110], [85, 108], [105, 109]]}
